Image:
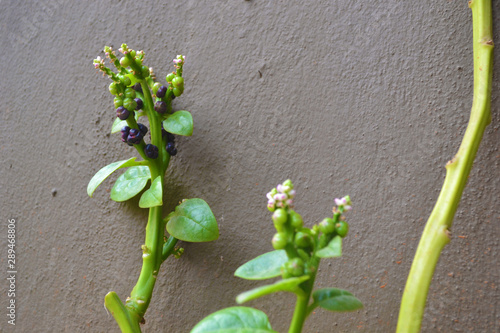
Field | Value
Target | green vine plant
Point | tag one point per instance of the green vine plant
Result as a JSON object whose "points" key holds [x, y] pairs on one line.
{"points": [[297, 255], [137, 95]]}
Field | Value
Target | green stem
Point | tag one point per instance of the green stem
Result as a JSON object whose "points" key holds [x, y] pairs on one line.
{"points": [[301, 305], [299, 315], [129, 316], [168, 247], [140, 296], [436, 234], [120, 313]]}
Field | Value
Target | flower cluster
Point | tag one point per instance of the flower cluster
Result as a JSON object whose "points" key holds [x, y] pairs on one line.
{"points": [[179, 60], [281, 196], [343, 203], [98, 62]]}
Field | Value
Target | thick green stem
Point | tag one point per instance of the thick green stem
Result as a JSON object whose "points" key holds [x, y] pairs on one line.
{"points": [[436, 234], [140, 296], [120, 313], [299, 315], [129, 316], [301, 306]]}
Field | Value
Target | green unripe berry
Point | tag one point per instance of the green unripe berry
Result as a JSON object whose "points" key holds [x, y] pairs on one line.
{"points": [[125, 62], [342, 228], [133, 53], [113, 89], [295, 267], [129, 92], [303, 240], [280, 216], [144, 71], [327, 226], [177, 92], [138, 62], [178, 82], [295, 219], [279, 241], [118, 102], [170, 77], [125, 80], [129, 104], [156, 86], [285, 272]]}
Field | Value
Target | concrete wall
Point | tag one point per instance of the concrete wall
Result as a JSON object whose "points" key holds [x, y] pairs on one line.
{"points": [[366, 98]]}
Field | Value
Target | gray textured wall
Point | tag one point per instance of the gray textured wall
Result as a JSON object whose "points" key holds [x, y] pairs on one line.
{"points": [[353, 97]]}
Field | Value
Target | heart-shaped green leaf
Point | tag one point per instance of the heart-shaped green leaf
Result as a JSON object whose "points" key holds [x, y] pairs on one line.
{"points": [[265, 266], [237, 319], [180, 122], [105, 172], [290, 285], [154, 196], [130, 183], [334, 299], [333, 249], [193, 221]]}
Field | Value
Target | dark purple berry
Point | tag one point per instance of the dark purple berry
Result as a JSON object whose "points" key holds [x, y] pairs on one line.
{"points": [[161, 92], [143, 129], [137, 87], [170, 137], [139, 102], [171, 149], [172, 152], [161, 107], [122, 113], [134, 136], [125, 130], [151, 151]]}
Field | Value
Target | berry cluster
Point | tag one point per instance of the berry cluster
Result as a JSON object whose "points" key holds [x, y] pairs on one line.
{"points": [[170, 147], [133, 136], [299, 242], [130, 99]]}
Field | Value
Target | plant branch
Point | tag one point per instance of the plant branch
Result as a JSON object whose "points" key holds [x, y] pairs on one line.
{"points": [[436, 232]]}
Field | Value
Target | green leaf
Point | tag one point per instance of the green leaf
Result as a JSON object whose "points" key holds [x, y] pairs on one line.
{"points": [[154, 196], [333, 249], [180, 122], [265, 266], [105, 172], [118, 124], [237, 319], [193, 221], [334, 299], [290, 285], [130, 183]]}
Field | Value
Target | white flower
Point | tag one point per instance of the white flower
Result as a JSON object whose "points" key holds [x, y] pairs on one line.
{"points": [[340, 202]]}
